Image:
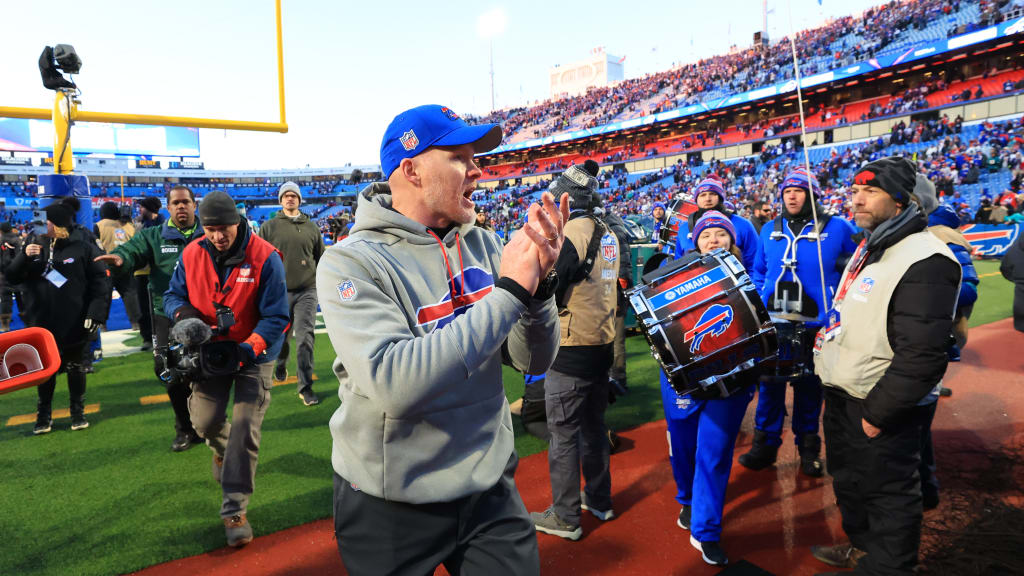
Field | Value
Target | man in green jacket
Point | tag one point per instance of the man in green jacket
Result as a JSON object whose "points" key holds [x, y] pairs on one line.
{"points": [[301, 245], [159, 247]]}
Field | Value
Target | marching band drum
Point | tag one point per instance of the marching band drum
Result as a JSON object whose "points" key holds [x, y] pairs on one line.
{"points": [[704, 322]]}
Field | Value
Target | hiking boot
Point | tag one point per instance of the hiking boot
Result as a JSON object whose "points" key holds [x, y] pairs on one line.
{"points": [[603, 515], [78, 421], [549, 523], [43, 425], [840, 555], [280, 372], [238, 531], [684, 517], [309, 398], [216, 466], [810, 460], [711, 552], [760, 455]]}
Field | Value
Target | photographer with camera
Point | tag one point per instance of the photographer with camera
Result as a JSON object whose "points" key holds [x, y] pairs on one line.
{"points": [[67, 293], [157, 249], [233, 282]]}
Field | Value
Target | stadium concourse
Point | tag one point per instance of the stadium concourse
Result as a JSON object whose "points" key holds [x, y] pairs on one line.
{"points": [[773, 517]]}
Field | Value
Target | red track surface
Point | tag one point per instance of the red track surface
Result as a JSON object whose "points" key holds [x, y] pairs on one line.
{"points": [[770, 520]]}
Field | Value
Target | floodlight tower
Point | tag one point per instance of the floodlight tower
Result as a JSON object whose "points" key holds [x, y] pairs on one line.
{"points": [[490, 25]]}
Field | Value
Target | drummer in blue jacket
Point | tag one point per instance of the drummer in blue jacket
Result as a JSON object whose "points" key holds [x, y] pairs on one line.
{"points": [[709, 195], [702, 475], [787, 274]]}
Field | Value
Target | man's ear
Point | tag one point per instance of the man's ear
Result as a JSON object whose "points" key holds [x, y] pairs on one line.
{"points": [[409, 170]]}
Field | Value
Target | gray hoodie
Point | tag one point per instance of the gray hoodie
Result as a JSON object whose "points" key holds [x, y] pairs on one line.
{"points": [[423, 415]]}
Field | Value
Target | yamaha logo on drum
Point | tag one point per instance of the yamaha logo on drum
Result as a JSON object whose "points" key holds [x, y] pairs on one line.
{"points": [[713, 322], [687, 288]]}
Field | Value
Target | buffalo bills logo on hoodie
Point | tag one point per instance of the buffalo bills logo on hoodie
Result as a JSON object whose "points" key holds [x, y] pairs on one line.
{"points": [[469, 287]]}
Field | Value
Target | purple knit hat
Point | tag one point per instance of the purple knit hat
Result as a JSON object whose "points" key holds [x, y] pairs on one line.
{"points": [[709, 185], [713, 219], [798, 178]]}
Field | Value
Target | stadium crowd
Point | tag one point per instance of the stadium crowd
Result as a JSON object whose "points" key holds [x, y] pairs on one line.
{"points": [[839, 43]]}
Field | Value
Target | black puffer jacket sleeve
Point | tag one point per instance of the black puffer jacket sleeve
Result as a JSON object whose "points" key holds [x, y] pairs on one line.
{"points": [[919, 323], [99, 285], [1012, 265]]}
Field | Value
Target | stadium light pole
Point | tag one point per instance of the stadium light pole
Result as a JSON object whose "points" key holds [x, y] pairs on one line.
{"points": [[490, 25]]}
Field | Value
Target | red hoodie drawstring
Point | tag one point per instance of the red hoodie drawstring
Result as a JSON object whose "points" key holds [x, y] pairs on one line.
{"points": [[448, 266], [462, 269]]}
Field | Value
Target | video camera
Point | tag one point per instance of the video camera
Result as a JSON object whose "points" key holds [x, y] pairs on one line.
{"points": [[193, 356], [39, 227]]}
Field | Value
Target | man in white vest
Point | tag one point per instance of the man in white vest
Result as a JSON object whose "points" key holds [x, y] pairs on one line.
{"points": [[883, 350]]}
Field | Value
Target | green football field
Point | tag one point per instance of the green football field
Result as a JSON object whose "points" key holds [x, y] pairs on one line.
{"points": [[114, 498]]}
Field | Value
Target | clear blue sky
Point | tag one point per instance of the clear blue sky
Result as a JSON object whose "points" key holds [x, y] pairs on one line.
{"points": [[351, 66]]}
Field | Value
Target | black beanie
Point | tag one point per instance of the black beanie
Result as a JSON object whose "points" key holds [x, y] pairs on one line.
{"points": [[109, 211], [218, 209], [581, 184], [60, 215], [5, 227], [894, 174], [150, 203]]}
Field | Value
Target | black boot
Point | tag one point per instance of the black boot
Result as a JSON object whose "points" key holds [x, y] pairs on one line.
{"points": [[810, 455], [760, 455], [76, 387], [43, 406]]}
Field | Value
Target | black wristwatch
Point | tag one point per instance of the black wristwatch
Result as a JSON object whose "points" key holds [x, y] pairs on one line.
{"points": [[546, 288]]}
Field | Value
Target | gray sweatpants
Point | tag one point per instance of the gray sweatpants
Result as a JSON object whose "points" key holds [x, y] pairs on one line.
{"points": [[238, 441], [575, 409], [302, 309]]}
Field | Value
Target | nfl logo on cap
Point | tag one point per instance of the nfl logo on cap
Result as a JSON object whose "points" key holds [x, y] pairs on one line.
{"points": [[409, 140]]}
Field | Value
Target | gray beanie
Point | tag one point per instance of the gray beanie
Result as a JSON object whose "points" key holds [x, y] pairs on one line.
{"points": [[924, 191], [289, 187], [581, 184], [218, 209]]}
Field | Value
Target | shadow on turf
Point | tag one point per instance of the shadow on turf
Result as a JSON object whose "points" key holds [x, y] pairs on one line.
{"points": [[298, 464]]}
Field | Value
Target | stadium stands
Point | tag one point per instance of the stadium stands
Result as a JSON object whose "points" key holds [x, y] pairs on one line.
{"points": [[881, 30]]}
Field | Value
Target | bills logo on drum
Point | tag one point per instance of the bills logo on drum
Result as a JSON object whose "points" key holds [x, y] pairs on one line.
{"points": [[609, 248], [713, 322]]}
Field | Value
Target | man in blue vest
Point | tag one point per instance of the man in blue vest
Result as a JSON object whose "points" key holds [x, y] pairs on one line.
{"points": [[709, 195], [790, 278], [230, 282]]}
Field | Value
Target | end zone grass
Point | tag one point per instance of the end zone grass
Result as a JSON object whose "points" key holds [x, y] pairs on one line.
{"points": [[113, 498]]}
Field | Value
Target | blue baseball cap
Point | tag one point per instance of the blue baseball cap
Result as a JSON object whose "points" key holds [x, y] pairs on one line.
{"points": [[417, 129]]}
